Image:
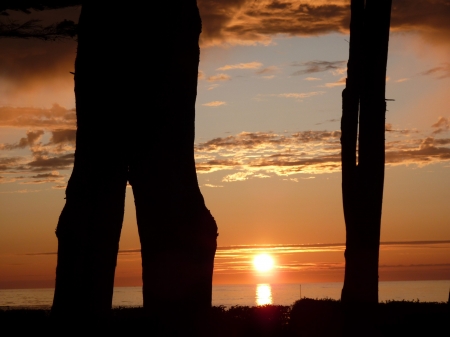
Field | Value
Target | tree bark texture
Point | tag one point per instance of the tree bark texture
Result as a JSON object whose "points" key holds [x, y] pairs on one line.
{"points": [[135, 89], [363, 152]]}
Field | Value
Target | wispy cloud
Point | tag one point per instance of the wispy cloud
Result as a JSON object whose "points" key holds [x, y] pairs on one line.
{"points": [[214, 103], [239, 258], [212, 185], [250, 65], [299, 95], [219, 77], [318, 66], [440, 72], [267, 70], [338, 83]]}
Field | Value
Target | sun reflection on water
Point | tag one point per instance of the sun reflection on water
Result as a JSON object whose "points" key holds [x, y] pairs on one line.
{"points": [[263, 294]]}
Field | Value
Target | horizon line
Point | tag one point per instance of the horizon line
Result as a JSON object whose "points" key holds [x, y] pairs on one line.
{"points": [[300, 245]]}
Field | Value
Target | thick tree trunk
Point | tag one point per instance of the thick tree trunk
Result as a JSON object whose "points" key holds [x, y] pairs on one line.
{"points": [[363, 178], [89, 227], [177, 232], [135, 90]]}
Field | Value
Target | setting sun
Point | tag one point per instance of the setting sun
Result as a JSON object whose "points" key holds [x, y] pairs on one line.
{"points": [[263, 262]]}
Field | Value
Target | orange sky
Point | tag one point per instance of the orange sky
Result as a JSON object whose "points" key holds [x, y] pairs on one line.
{"points": [[267, 143]]}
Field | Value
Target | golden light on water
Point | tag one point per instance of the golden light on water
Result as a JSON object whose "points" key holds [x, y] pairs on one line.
{"points": [[263, 294], [263, 262]]}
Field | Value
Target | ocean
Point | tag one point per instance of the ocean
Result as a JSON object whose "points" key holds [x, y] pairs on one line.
{"points": [[248, 295]]}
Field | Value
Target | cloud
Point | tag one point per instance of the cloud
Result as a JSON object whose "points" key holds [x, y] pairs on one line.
{"points": [[267, 70], [214, 103], [27, 65], [23, 191], [211, 185], [300, 94], [29, 140], [333, 120], [61, 162], [261, 154], [45, 178], [312, 79], [426, 17], [250, 65], [239, 176], [249, 22], [219, 77], [212, 86], [401, 80], [63, 136], [311, 67], [442, 125], [341, 81], [234, 259], [7, 162], [440, 72], [57, 117]]}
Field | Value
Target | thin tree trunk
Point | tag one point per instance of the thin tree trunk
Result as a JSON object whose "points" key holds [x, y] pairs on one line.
{"points": [[363, 178]]}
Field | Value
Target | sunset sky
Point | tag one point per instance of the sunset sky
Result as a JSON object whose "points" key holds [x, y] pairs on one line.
{"points": [[267, 143]]}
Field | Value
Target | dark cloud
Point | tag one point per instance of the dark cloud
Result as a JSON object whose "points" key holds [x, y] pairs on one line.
{"points": [[29, 140], [46, 175], [27, 64], [278, 5], [430, 18], [439, 72], [7, 162], [442, 125], [8, 6], [249, 21], [61, 162], [63, 136], [317, 67]]}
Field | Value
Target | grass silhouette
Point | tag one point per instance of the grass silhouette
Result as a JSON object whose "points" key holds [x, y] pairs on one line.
{"points": [[306, 317]]}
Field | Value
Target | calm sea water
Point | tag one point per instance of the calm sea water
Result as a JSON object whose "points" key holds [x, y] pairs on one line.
{"points": [[250, 295]]}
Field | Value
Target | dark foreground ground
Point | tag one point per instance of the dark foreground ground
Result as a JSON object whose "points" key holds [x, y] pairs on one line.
{"points": [[306, 317]]}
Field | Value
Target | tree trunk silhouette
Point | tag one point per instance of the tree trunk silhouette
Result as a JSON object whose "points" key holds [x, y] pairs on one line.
{"points": [[363, 99], [135, 88]]}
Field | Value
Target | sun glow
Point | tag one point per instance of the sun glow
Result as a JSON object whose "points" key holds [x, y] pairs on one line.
{"points": [[263, 262]]}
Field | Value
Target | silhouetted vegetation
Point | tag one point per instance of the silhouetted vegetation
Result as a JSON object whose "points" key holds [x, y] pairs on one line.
{"points": [[307, 317], [34, 28]]}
